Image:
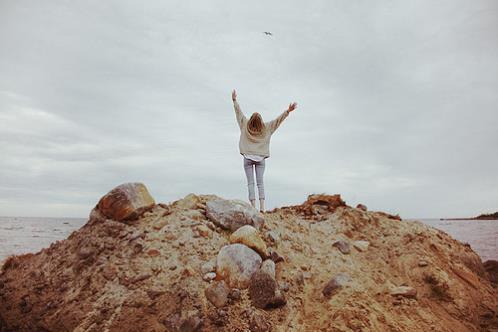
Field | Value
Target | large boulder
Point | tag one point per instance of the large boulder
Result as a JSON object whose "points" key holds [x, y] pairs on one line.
{"points": [[263, 288], [236, 263], [125, 202], [233, 214], [249, 236]]}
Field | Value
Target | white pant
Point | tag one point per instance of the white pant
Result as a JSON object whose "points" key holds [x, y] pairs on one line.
{"points": [[259, 167]]}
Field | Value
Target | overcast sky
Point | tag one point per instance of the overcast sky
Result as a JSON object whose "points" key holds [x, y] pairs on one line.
{"points": [[397, 102]]}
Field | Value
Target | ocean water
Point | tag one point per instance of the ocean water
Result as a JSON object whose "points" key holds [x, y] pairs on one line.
{"points": [[22, 235], [482, 235], [19, 235]]}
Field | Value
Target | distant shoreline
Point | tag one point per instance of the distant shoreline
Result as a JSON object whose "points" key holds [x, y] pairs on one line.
{"points": [[489, 216]]}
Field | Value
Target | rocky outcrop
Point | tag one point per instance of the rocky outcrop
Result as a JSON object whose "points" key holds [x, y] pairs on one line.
{"points": [[233, 214], [317, 205], [174, 269]]}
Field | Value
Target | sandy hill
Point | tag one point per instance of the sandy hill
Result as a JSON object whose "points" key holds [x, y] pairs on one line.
{"points": [[204, 263]]}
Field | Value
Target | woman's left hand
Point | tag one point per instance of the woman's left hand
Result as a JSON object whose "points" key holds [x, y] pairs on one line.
{"points": [[292, 106]]}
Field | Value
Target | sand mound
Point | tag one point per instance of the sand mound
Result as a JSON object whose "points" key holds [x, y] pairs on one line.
{"points": [[337, 268]]}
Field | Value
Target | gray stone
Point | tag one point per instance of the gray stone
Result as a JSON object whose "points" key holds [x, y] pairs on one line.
{"points": [[258, 323], [361, 207], [275, 256], [235, 294], [361, 245], [209, 276], [404, 291], [209, 266], [422, 263], [273, 236], [233, 214], [217, 293], [192, 323], [337, 282], [343, 246], [236, 263], [268, 267]]}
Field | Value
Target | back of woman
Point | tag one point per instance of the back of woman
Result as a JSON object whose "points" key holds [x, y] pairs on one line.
{"points": [[254, 146]]}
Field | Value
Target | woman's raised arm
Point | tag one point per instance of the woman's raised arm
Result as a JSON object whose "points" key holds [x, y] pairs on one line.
{"points": [[274, 124], [238, 113]]}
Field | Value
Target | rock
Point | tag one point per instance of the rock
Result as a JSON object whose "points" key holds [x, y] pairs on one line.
{"points": [[249, 236], [153, 252], [203, 231], [337, 282], [217, 293], [275, 256], [262, 289], [209, 266], [268, 266], [278, 300], [188, 202], [125, 202], [422, 263], [233, 214], [491, 267], [343, 246], [234, 294], [188, 271], [85, 252], [361, 207], [284, 286], [236, 263], [327, 203], [209, 276], [361, 245], [273, 236], [192, 323], [299, 278], [219, 317], [404, 291], [258, 323]]}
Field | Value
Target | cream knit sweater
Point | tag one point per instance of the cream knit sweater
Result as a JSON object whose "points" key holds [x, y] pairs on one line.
{"points": [[260, 145]]}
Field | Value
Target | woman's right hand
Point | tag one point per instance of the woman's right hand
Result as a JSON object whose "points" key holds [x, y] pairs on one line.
{"points": [[234, 95]]}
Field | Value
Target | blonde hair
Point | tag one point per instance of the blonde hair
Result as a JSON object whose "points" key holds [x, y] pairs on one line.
{"points": [[255, 125]]}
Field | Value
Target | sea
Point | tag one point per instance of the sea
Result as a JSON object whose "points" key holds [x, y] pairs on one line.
{"points": [[20, 235]]}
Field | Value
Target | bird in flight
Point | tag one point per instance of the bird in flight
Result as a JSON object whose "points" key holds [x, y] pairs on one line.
{"points": [[267, 33]]}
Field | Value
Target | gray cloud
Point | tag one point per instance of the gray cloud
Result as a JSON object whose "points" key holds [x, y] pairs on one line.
{"points": [[397, 102]]}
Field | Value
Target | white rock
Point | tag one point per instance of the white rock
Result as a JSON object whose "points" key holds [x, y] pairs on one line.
{"points": [[361, 245], [209, 276], [236, 263], [233, 214]]}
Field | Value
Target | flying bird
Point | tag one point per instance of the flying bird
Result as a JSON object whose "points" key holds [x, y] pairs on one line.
{"points": [[267, 33]]}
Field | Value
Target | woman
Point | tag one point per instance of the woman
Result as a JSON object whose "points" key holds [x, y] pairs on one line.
{"points": [[254, 145]]}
